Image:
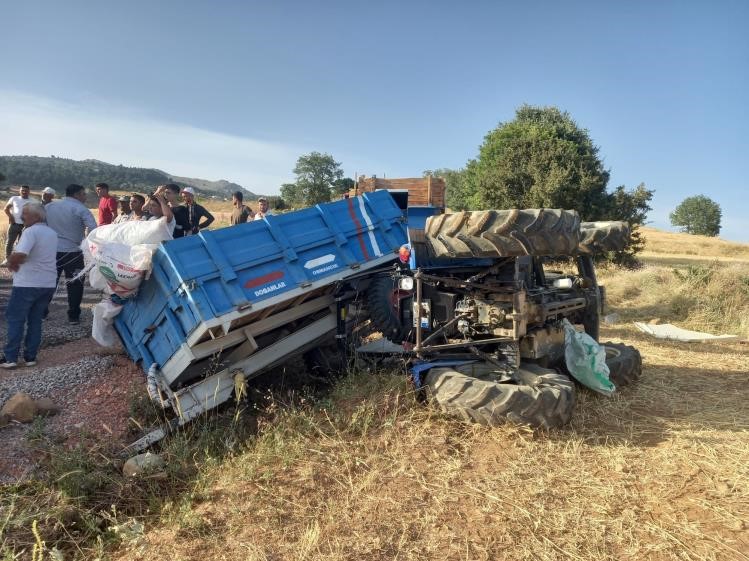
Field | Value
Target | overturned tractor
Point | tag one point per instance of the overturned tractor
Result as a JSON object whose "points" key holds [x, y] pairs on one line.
{"points": [[481, 302]]}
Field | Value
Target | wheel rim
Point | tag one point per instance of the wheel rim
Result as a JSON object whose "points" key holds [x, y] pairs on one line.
{"points": [[611, 352]]}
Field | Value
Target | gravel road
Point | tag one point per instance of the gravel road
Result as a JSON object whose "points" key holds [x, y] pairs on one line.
{"points": [[91, 385], [46, 381]]}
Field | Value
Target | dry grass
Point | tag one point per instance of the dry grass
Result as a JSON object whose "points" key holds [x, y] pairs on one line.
{"points": [[672, 248], [712, 298], [660, 471], [657, 472]]}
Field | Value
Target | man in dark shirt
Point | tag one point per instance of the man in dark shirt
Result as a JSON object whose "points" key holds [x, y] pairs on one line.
{"points": [[72, 221], [198, 216], [241, 212], [180, 212]]}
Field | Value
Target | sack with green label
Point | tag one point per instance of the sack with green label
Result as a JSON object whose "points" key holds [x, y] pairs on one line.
{"points": [[118, 258]]}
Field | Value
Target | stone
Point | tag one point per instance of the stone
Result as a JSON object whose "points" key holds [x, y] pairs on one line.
{"points": [[20, 408], [47, 407], [143, 464], [611, 319], [655, 321]]}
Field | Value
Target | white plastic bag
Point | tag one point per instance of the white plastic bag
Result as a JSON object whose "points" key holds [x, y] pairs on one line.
{"points": [[102, 329], [586, 360], [119, 258], [119, 255]]}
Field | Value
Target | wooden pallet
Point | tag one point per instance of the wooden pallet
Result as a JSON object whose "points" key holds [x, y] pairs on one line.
{"points": [[422, 191]]}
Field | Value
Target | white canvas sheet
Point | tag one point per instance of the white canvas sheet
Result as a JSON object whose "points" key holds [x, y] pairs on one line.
{"points": [[669, 331]]}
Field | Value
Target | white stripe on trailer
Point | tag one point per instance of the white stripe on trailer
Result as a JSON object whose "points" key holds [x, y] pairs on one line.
{"points": [[319, 261], [370, 226]]}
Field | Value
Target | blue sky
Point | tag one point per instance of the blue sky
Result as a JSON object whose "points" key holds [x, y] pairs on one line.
{"points": [[238, 90]]}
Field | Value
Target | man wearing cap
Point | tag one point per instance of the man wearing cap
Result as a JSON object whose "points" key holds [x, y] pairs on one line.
{"points": [[107, 204], [13, 209], [124, 215], [195, 212], [263, 209], [48, 195]]}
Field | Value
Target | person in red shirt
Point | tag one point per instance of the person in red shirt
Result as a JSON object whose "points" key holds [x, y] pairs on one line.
{"points": [[107, 204]]}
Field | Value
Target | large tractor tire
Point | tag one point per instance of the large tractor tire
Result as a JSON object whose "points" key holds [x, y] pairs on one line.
{"points": [[541, 398], [624, 362], [383, 299], [599, 237], [504, 233]]}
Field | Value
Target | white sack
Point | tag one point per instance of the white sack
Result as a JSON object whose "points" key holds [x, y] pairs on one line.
{"points": [[119, 255], [102, 329], [119, 258]]}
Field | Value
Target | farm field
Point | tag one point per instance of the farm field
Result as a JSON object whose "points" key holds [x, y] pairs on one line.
{"points": [[364, 470]]}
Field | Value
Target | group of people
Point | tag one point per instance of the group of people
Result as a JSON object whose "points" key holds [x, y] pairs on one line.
{"points": [[44, 241]]}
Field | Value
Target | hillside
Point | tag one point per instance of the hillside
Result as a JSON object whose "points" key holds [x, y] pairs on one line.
{"points": [[205, 185], [56, 172], [674, 247]]}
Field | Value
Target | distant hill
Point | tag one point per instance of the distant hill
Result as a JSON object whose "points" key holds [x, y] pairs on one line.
{"points": [[57, 173], [220, 186]]}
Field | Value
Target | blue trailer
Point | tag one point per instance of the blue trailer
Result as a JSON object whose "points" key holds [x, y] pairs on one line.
{"points": [[225, 305]]}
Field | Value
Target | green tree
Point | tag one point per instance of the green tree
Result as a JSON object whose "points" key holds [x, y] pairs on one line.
{"points": [[458, 195], [697, 215], [316, 177], [291, 193], [632, 207], [542, 158]]}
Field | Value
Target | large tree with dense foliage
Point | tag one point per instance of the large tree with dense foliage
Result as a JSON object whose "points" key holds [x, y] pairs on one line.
{"points": [[697, 215], [542, 158], [317, 179]]}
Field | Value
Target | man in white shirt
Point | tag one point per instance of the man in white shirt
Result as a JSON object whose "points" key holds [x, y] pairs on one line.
{"points": [[263, 209], [13, 209], [34, 267], [125, 210]]}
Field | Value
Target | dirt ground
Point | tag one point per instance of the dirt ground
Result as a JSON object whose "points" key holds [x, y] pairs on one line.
{"points": [[96, 406], [657, 472]]}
